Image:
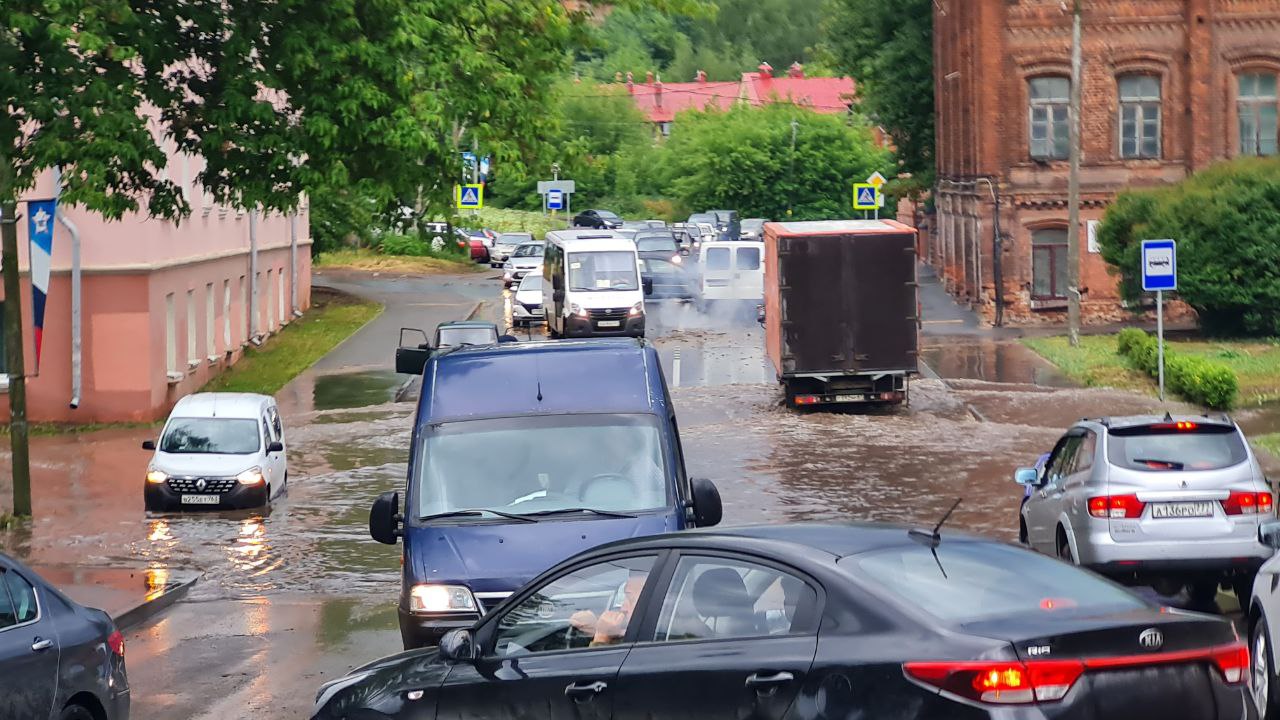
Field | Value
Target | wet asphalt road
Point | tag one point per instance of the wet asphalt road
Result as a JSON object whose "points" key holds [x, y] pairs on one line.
{"points": [[295, 596]]}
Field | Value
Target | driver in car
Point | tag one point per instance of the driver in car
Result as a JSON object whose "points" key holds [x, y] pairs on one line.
{"points": [[617, 454], [610, 627]]}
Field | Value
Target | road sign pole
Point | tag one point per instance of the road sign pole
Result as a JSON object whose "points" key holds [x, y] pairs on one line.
{"points": [[1160, 338]]}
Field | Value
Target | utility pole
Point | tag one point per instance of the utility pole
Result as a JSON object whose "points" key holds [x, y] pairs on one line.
{"points": [[14, 363], [792, 176], [1073, 185]]}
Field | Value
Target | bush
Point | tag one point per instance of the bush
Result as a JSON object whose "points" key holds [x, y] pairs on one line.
{"points": [[393, 244], [1198, 380]]}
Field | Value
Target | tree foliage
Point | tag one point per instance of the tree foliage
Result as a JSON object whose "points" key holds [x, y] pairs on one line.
{"points": [[1226, 220], [887, 46]]}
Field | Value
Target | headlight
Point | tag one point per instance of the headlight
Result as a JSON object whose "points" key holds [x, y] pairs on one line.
{"points": [[333, 687], [636, 310], [252, 476], [507, 265], [441, 598], [578, 310], [156, 476], [677, 259]]}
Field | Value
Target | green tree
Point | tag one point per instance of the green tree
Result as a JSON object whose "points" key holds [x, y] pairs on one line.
{"points": [[887, 46], [774, 162], [1226, 220]]}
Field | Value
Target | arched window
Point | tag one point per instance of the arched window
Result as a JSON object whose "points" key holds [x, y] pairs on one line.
{"points": [[1256, 105], [1139, 116], [1050, 100], [1049, 264]]}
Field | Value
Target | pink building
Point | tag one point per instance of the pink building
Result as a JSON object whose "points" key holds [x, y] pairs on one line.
{"points": [[164, 306]]}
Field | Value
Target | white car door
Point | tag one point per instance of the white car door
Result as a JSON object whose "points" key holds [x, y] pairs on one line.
{"points": [[717, 271], [748, 272], [1042, 508]]}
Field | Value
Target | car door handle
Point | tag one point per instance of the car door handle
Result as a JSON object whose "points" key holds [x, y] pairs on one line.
{"points": [[41, 645], [583, 692], [769, 682]]}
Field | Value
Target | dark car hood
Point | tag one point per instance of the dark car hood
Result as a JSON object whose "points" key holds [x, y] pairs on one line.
{"points": [[502, 557], [383, 683]]}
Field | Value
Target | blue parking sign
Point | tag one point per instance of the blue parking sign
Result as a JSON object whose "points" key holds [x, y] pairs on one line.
{"points": [[1159, 265]]}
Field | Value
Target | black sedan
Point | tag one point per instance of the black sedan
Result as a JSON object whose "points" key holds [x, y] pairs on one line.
{"points": [[668, 280], [58, 660], [597, 219], [811, 621]]}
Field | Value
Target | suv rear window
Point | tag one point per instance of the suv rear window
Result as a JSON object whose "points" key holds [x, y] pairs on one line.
{"points": [[1176, 446], [971, 581]]}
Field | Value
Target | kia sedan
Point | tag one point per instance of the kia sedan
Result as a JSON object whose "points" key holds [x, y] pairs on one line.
{"points": [[813, 621]]}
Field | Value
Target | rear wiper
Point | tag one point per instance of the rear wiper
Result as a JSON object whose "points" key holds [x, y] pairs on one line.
{"points": [[605, 513], [479, 513], [1150, 461]]}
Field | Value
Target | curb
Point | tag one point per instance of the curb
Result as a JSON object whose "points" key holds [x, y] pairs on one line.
{"points": [[148, 609]]}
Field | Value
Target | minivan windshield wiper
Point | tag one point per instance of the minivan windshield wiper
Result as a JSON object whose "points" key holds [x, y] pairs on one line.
{"points": [[1149, 462], [593, 511], [478, 513]]}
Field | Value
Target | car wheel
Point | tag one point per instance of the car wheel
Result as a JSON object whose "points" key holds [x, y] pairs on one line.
{"points": [[1064, 547], [1261, 673], [75, 712]]}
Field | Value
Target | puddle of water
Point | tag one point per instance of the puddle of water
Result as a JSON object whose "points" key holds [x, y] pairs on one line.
{"points": [[355, 390], [1001, 362]]}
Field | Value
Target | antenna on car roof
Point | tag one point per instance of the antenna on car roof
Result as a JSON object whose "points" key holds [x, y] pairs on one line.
{"points": [[539, 389]]}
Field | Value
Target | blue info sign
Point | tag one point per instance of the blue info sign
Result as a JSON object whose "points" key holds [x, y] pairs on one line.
{"points": [[1159, 265]]}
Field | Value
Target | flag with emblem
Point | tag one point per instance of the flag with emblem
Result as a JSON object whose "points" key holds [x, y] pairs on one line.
{"points": [[40, 215]]}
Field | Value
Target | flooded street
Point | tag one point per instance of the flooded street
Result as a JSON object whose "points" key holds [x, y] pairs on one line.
{"points": [[300, 593]]}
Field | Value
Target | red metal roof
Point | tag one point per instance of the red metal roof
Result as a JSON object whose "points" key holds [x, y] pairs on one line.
{"points": [[820, 94], [661, 101]]}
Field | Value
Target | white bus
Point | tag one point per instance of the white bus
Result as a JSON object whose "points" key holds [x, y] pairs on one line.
{"points": [[592, 285]]}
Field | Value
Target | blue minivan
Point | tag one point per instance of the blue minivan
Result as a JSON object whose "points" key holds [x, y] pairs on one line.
{"points": [[524, 455]]}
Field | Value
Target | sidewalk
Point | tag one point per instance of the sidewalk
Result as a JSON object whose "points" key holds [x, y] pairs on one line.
{"points": [[130, 596]]}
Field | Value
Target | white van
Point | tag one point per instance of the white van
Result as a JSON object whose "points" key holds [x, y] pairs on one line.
{"points": [[733, 270], [591, 285]]}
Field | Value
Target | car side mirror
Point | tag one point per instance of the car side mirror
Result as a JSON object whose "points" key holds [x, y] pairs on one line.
{"points": [[1269, 534], [1027, 476], [148, 444], [508, 339], [707, 508], [276, 446], [458, 645], [648, 285], [385, 518]]}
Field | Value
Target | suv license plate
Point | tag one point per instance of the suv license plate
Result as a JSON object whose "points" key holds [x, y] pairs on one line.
{"points": [[609, 323], [200, 499], [1182, 510]]}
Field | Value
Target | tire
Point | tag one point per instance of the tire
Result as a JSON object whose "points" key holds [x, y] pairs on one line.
{"points": [[1064, 548], [1262, 678], [75, 712]]}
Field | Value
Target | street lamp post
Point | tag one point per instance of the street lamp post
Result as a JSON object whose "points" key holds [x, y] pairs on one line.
{"points": [[1073, 185]]}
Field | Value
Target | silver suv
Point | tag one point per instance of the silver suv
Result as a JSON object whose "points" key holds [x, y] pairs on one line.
{"points": [[1153, 501]]}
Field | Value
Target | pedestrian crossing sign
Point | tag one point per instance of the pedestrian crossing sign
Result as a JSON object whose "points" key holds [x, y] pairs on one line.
{"points": [[865, 196], [469, 197]]}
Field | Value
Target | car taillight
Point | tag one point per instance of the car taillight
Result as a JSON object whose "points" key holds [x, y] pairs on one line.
{"points": [[1233, 662], [1116, 506], [807, 399], [1247, 503], [115, 641], [1000, 683]]}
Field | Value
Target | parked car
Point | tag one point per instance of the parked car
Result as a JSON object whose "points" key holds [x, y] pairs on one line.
{"points": [[791, 621], [59, 660], [522, 455], [526, 304], [479, 248], [666, 280], [524, 259], [217, 451], [1263, 616], [465, 332], [660, 244], [597, 219], [753, 229], [1162, 501], [505, 244]]}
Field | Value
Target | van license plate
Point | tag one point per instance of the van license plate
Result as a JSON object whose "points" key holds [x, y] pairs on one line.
{"points": [[1182, 510], [200, 499], [609, 323], [849, 398]]}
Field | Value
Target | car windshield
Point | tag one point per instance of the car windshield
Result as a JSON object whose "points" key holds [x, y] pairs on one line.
{"points": [[542, 464], [650, 243], [531, 283], [657, 266], [514, 238], [529, 250], [226, 436], [1176, 446], [603, 270], [963, 581], [452, 336], [606, 215]]}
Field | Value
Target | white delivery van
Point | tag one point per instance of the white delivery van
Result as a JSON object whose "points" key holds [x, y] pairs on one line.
{"points": [[732, 270], [591, 285]]}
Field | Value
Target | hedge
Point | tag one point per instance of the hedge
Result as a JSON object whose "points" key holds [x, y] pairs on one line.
{"points": [[1198, 380]]}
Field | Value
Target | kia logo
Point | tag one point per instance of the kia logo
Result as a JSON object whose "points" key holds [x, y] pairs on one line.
{"points": [[1151, 639]]}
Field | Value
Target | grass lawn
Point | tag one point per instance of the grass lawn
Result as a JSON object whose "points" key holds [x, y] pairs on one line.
{"points": [[1270, 443], [333, 317], [1096, 363], [364, 259]]}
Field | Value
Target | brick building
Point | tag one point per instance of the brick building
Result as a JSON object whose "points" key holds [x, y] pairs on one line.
{"points": [[1168, 88]]}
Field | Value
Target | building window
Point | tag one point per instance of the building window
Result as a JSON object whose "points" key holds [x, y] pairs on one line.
{"points": [[210, 307], [1140, 116], [1257, 106], [192, 357], [226, 314], [1050, 133], [170, 335], [1049, 264], [665, 129]]}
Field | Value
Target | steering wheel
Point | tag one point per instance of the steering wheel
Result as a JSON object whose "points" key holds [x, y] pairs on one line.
{"points": [[582, 490]]}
